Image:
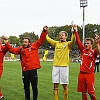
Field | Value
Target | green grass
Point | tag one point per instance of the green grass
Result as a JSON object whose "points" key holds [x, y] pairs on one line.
{"points": [[12, 86]]}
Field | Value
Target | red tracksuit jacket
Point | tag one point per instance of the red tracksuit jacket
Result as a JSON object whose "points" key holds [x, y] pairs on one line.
{"points": [[29, 56], [3, 51]]}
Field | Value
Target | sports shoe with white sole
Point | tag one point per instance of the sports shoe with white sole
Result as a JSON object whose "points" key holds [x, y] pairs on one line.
{"points": [[1, 97]]}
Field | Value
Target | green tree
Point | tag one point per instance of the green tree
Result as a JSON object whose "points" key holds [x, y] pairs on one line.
{"points": [[31, 35], [92, 29], [14, 40]]}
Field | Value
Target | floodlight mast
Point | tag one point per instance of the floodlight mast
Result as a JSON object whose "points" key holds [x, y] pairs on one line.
{"points": [[83, 3]]}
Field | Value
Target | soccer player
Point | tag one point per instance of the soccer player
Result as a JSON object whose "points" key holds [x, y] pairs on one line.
{"points": [[60, 71], [29, 61], [86, 74], [3, 51]]}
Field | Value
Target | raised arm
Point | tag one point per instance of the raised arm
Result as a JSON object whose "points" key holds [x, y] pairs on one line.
{"points": [[51, 41], [97, 41], [10, 48], [73, 39], [79, 43], [42, 38]]}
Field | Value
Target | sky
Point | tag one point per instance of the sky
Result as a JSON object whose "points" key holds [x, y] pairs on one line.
{"points": [[20, 16]]}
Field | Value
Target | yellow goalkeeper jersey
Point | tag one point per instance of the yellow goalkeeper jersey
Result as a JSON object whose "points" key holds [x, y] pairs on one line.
{"points": [[62, 50]]}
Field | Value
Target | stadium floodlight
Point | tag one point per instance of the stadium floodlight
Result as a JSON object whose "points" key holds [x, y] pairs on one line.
{"points": [[83, 3]]}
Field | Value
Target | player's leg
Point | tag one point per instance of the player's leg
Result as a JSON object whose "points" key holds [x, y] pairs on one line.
{"points": [[82, 87], [55, 91], [64, 80], [34, 82], [25, 77], [98, 67], [84, 96], [93, 96], [65, 91], [55, 80], [90, 86], [1, 95], [95, 68], [0, 91]]}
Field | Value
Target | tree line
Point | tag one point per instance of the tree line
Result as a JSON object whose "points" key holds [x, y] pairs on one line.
{"points": [[90, 31]]}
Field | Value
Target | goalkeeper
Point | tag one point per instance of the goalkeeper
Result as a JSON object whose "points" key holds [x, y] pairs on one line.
{"points": [[60, 70]]}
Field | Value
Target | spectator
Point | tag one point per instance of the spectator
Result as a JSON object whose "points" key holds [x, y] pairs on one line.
{"points": [[97, 64]]}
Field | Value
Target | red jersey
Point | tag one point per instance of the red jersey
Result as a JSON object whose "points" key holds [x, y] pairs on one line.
{"points": [[29, 56], [88, 57], [3, 51]]}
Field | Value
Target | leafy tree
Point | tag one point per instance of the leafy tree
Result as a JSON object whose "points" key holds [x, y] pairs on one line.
{"points": [[90, 31], [14, 40], [31, 35]]}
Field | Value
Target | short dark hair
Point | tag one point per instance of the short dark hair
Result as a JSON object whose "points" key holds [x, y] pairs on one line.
{"points": [[28, 39]]}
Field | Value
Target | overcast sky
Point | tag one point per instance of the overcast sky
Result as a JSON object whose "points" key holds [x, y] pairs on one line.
{"points": [[19, 16]]}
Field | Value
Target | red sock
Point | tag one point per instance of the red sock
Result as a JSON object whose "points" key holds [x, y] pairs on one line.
{"points": [[84, 96], [0, 94], [93, 96]]}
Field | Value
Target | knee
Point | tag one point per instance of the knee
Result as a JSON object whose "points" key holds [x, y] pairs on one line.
{"points": [[26, 88]]}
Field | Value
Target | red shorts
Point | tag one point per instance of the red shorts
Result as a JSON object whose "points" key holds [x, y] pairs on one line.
{"points": [[86, 83]]}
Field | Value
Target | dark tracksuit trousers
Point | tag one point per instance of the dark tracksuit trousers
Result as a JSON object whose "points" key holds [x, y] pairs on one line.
{"points": [[96, 67], [28, 77]]}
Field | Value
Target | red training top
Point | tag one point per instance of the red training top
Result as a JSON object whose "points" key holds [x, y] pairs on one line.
{"points": [[88, 57]]}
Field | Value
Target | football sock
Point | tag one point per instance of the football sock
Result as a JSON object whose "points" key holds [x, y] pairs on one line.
{"points": [[66, 94], [55, 91], [93, 96], [84, 96], [0, 92]]}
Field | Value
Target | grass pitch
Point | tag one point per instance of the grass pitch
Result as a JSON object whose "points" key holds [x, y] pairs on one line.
{"points": [[12, 86]]}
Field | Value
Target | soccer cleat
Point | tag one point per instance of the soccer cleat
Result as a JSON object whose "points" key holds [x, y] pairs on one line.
{"points": [[1, 97]]}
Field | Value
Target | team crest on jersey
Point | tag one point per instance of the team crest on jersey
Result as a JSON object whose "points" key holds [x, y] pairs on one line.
{"points": [[29, 49], [90, 54], [64, 45]]}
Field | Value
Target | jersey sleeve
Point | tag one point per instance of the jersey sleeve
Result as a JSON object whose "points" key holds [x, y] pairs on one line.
{"points": [[70, 43], [79, 43], [4, 49], [13, 50], [42, 38], [51, 41]]}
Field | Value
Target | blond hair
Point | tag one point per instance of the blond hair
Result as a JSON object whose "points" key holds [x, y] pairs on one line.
{"points": [[90, 39], [66, 34]]}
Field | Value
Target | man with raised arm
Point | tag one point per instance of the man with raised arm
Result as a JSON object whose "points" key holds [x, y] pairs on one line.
{"points": [[86, 74], [60, 70], [30, 62]]}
